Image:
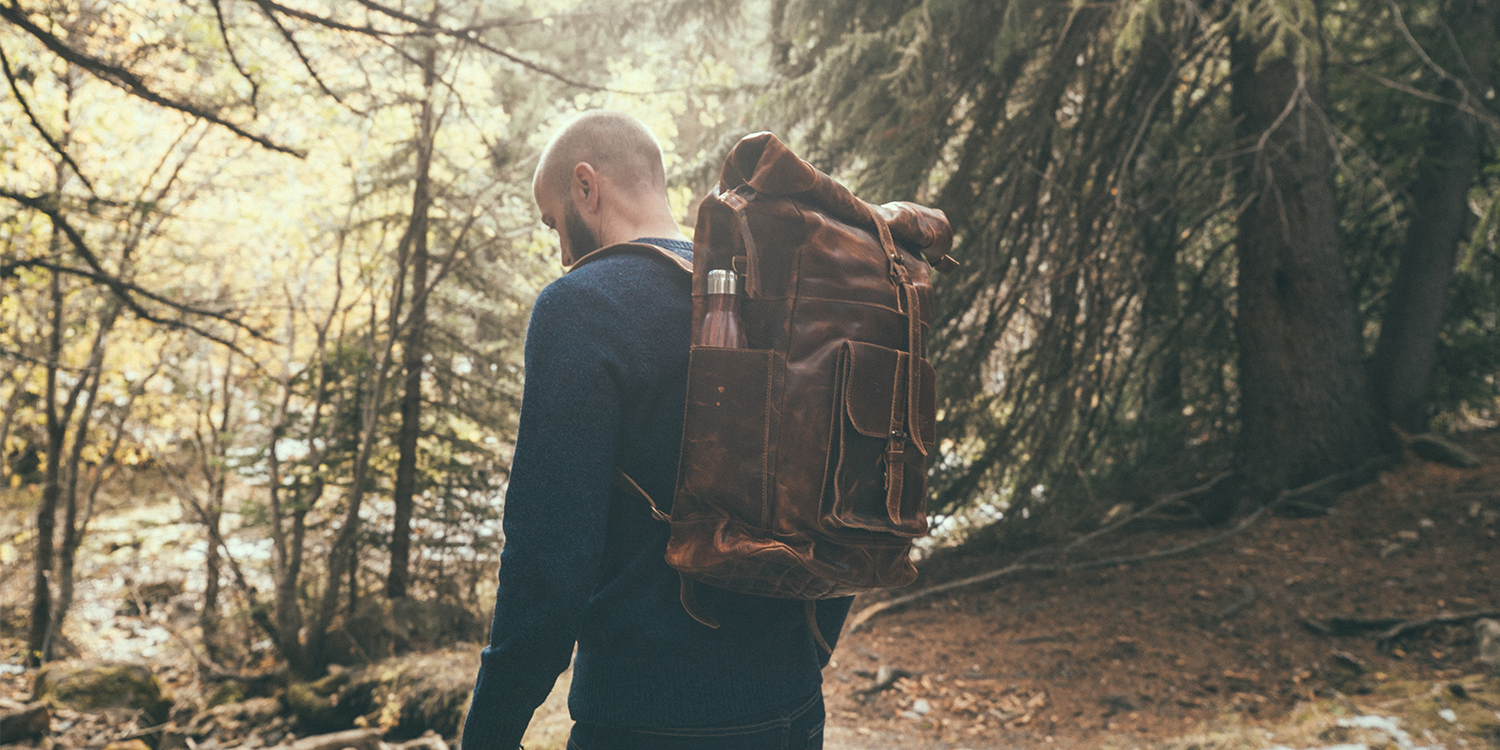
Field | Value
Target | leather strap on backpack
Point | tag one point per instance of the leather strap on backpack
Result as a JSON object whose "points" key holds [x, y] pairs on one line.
{"points": [[690, 603], [904, 418], [625, 484], [810, 609], [686, 594], [737, 199]]}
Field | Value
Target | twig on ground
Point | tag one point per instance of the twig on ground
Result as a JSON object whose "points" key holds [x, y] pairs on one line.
{"points": [[1349, 625], [1390, 628], [136, 735], [885, 677], [899, 602], [1064, 636], [1022, 564], [1442, 618], [1236, 607]]}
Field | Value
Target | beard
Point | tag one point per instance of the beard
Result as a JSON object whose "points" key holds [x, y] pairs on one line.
{"points": [[581, 239]]}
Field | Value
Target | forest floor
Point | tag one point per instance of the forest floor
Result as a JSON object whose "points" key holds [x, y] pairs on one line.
{"points": [[1268, 639], [1238, 645]]}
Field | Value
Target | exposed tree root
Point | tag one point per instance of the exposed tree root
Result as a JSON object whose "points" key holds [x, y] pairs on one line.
{"points": [[1297, 496], [1391, 628]]}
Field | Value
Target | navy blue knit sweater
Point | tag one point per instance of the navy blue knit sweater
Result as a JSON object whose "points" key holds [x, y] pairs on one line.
{"points": [[606, 373]]}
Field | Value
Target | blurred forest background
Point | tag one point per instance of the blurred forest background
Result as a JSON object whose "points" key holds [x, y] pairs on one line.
{"points": [[265, 267]]}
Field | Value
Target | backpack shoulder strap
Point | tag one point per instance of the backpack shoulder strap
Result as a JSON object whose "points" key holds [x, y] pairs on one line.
{"points": [[642, 248]]}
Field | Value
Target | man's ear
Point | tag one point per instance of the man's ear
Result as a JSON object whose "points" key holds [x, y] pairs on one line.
{"points": [[585, 187]]}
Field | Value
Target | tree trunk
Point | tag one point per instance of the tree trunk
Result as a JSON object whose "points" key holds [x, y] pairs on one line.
{"points": [[343, 557], [289, 520], [208, 619], [1305, 406], [1401, 369], [415, 349], [212, 457], [46, 512], [288, 620], [73, 527]]}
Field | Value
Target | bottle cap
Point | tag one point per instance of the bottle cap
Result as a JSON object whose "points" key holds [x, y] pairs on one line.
{"points": [[721, 281]]}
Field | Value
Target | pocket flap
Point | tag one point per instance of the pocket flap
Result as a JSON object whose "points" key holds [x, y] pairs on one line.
{"points": [[874, 388]]}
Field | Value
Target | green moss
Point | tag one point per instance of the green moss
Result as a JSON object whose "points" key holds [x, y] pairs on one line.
{"points": [[230, 691], [330, 684], [314, 712], [101, 686], [330, 704]]}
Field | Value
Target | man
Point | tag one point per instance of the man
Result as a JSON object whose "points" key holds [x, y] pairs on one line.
{"points": [[606, 373]]}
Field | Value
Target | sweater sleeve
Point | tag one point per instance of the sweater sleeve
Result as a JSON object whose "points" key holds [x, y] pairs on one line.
{"points": [[555, 510]]}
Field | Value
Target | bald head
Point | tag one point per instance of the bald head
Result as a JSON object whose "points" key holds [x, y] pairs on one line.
{"points": [[619, 147], [600, 181]]}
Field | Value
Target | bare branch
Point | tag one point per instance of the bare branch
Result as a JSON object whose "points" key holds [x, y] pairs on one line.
{"points": [[138, 311], [1422, 53], [233, 58], [18, 356], [306, 63], [467, 34], [1021, 566], [10, 78], [128, 81], [122, 288]]}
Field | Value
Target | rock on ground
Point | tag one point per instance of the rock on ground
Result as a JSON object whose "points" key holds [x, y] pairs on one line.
{"points": [[1488, 634]]}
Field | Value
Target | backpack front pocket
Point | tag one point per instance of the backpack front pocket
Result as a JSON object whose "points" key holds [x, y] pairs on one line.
{"points": [[726, 435], [876, 475]]}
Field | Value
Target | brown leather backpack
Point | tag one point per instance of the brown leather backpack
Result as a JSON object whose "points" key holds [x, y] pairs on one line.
{"points": [[803, 468]]}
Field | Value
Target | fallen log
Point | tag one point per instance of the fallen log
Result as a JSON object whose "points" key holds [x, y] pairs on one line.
{"points": [[428, 741]]}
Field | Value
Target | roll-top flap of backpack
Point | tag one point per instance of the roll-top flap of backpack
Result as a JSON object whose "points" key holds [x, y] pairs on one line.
{"points": [[875, 391], [923, 228], [763, 162], [766, 165]]}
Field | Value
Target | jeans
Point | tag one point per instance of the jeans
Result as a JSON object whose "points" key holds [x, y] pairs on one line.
{"points": [[798, 726]]}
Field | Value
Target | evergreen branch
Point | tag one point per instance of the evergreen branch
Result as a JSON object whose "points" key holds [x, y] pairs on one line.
{"points": [[128, 81], [57, 147]]}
